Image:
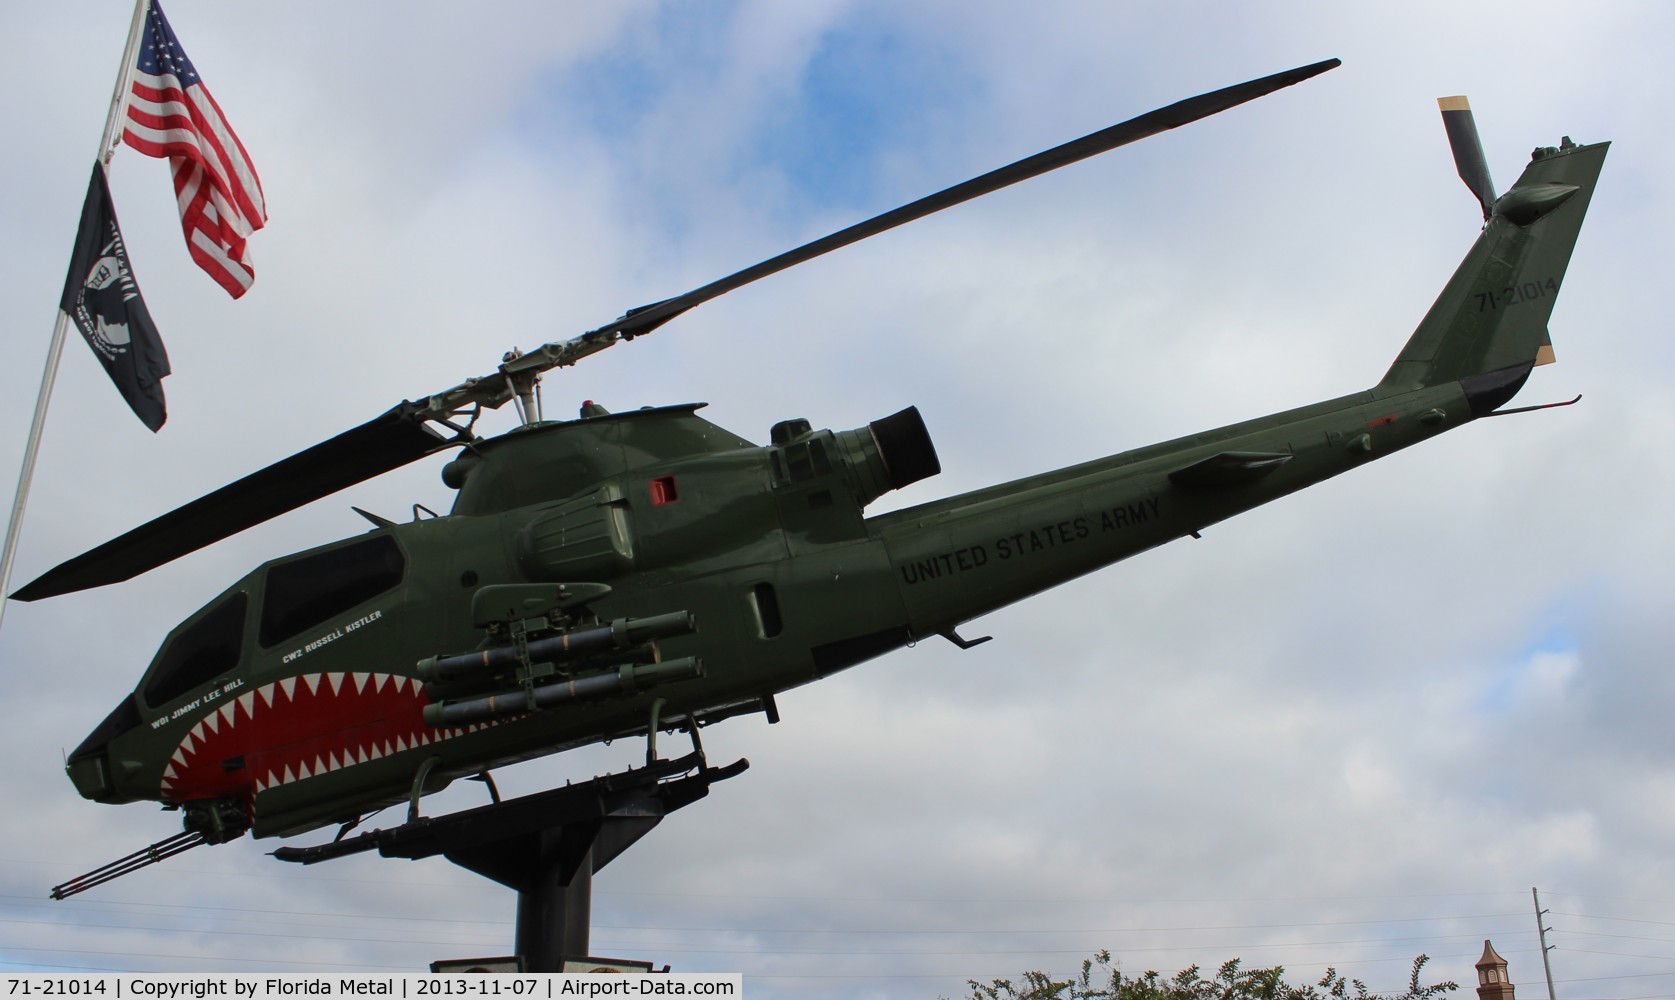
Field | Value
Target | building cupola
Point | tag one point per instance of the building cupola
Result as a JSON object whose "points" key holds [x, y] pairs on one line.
{"points": [[1492, 982]]}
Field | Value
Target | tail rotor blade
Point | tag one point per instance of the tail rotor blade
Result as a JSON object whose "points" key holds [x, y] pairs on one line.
{"points": [[1468, 150]]}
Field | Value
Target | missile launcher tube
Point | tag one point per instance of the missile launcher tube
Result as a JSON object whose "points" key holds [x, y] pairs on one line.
{"points": [[620, 634], [626, 679]]}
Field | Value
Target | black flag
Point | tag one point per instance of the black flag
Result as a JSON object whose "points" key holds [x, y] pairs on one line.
{"points": [[103, 300]]}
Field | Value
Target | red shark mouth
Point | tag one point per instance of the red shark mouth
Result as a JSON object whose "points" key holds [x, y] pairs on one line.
{"points": [[296, 729]]}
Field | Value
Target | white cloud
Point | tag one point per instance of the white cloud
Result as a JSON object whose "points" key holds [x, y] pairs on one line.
{"points": [[1267, 743]]}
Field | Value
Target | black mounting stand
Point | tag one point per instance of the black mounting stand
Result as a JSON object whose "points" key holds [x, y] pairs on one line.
{"points": [[546, 845]]}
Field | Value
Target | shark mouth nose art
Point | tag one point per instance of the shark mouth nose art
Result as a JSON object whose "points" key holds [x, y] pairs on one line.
{"points": [[298, 728]]}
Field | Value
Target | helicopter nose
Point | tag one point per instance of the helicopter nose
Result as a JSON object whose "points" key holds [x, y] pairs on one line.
{"points": [[92, 768]]}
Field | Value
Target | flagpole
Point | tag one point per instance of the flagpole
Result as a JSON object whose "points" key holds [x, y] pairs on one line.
{"points": [[124, 82], [107, 146]]}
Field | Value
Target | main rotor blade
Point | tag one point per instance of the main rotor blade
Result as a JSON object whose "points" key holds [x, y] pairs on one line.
{"points": [[1468, 150], [386, 442], [647, 318], [519, 372]]}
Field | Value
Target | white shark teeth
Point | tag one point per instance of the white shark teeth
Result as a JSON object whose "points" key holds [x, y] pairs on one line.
{"points": [[214, 731]]}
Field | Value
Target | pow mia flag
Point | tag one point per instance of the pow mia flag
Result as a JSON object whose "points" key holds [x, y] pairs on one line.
{"points": [[103, 300]]}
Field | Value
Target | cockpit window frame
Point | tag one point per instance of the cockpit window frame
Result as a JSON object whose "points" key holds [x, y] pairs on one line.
{"points": [[208, 646], [311, 589]]}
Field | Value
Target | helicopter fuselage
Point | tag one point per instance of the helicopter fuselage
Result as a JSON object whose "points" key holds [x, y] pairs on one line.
{"points": [[297, 695]]}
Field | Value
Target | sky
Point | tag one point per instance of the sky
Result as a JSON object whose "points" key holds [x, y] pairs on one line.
{"points": [[1348, 728]]}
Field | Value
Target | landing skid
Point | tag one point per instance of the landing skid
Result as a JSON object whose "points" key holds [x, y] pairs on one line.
{"points": [[546, 845]]}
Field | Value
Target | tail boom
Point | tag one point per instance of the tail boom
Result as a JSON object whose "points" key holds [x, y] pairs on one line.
{"points": [[965, 556]]}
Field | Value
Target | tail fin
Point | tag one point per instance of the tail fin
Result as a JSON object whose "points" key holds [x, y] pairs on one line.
{"points": [[1489, 325]]}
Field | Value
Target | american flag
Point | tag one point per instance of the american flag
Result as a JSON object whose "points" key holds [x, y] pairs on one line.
{"points": [[171, 113]]}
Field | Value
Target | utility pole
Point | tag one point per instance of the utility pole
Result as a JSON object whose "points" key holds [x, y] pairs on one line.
{"points": [[1541, 932]]}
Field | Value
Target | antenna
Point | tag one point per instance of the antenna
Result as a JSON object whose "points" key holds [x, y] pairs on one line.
{"points": [[1541, 931]]}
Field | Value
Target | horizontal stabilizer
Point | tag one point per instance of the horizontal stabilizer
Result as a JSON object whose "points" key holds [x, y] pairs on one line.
{"points": [[1230, 468]]}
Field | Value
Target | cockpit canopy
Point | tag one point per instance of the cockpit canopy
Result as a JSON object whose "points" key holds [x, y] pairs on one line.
{"points": [[295, 595]]}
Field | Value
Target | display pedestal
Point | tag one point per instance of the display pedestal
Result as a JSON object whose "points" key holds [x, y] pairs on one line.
{"points": [[546, 846]]}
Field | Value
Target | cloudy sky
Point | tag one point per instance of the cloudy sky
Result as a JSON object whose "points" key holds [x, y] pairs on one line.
{"points": [[1341, 731]]}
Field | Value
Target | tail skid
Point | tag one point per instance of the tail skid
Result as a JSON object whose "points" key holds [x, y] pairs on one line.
{"points": [[1539, 406]]}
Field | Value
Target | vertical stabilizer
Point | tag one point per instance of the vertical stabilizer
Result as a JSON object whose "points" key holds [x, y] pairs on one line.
{"points": [[1491, 318]]}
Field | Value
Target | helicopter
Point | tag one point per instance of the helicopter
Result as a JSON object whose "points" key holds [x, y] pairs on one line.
{"points": [[623, 574]]}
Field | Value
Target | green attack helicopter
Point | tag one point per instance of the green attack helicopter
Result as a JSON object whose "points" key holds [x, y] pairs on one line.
{"points": [[626, 574]]}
